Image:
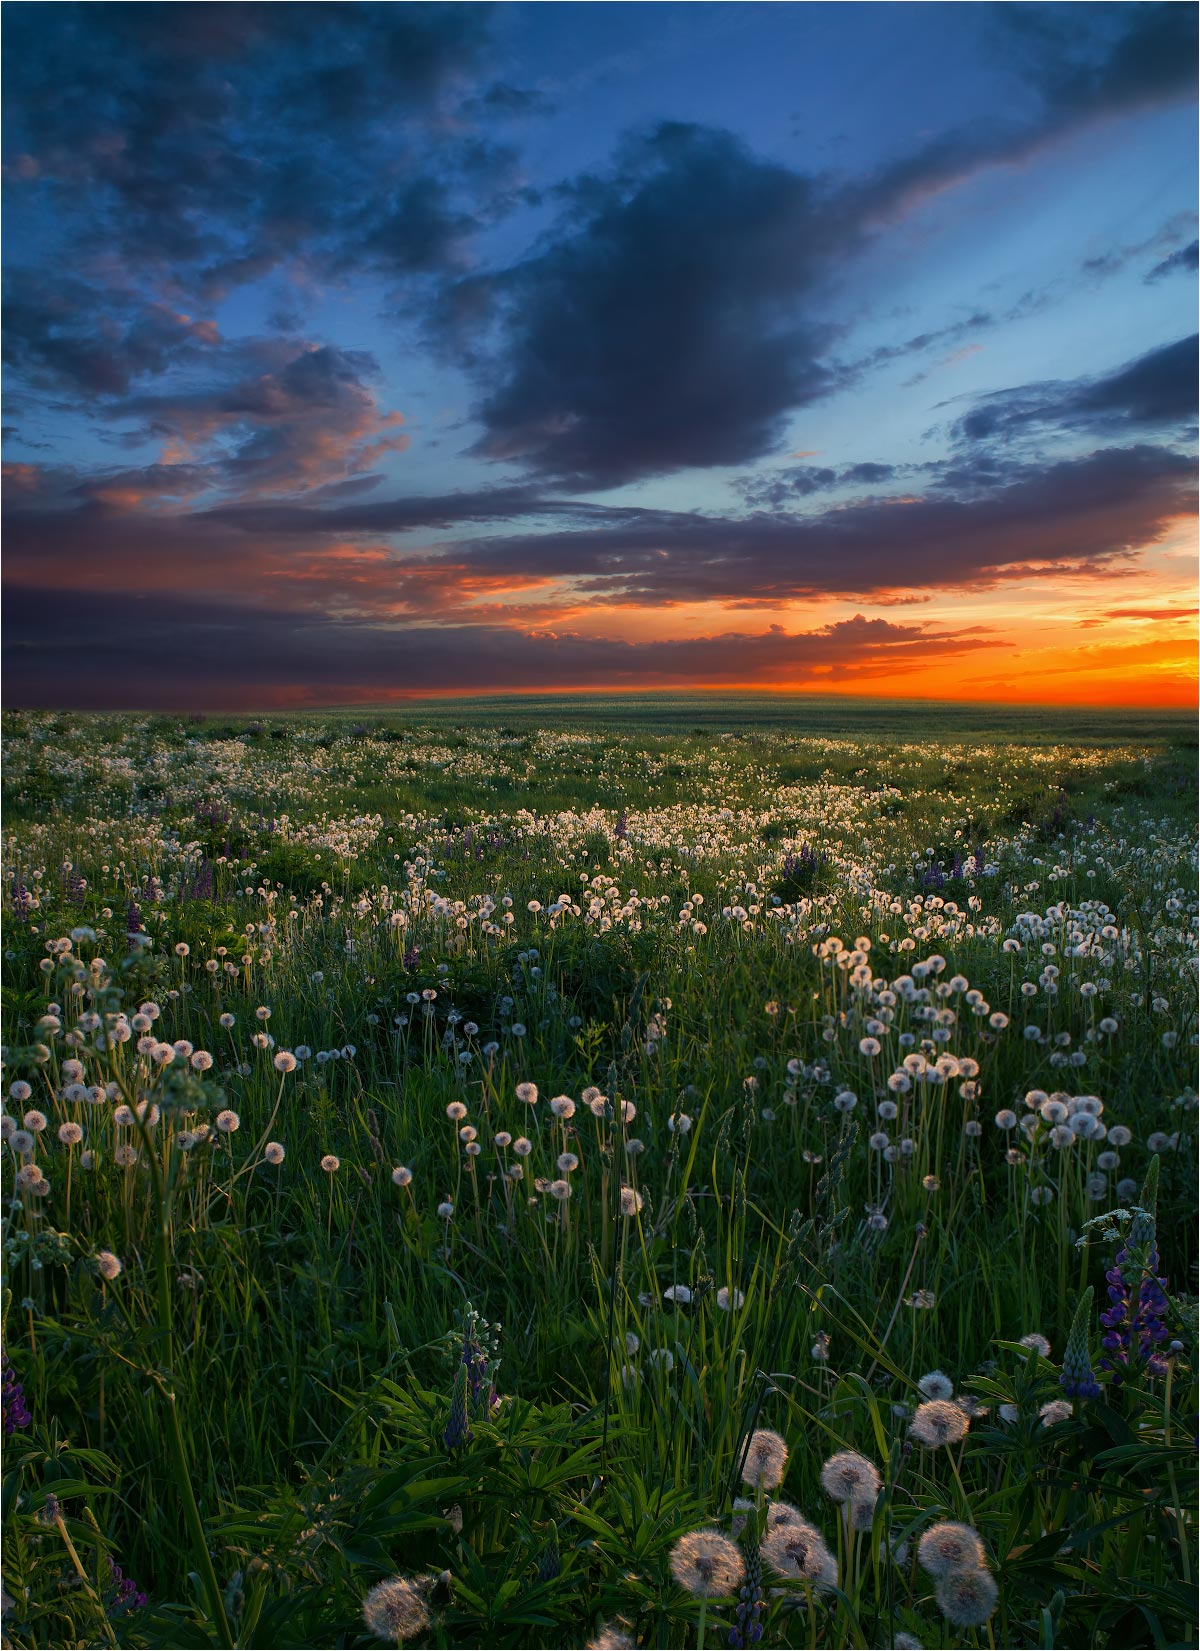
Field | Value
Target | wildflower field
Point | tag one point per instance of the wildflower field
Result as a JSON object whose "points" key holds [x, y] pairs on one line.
{"points": [[678, 1175]]}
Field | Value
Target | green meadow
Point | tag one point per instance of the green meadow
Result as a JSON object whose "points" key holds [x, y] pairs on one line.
{"points": [[648, 1170]]}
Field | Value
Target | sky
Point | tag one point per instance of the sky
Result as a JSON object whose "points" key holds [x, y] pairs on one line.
{"points": [[361, 352]]}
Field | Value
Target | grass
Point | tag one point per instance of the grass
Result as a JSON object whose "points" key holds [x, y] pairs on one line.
{"points": [[285, 1394]]}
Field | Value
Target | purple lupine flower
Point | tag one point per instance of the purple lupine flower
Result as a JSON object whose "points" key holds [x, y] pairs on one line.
{"points": [[802, 867], [1078, 1380], [202, 887], [747, 1619], [16, 1412], [1135, 1328], [621, 829], [458, 1428], [933, 878], [475, 1359], [956, 869], [125, 1594], [22, 901], [411, 954]]}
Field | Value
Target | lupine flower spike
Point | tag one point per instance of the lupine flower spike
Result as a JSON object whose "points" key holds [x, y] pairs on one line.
{"points": [[1078, 1380]]}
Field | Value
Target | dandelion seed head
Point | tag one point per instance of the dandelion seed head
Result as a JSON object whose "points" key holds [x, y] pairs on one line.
{"points": [[273, 1152], [937, 1423], [936, 1385], [1055, 1411], [706, 1563], [766, 1460], [611, 1638], [949, 1547], [849, 1477], [966, 1598], [395, 1610], [107, 1265], [798, 1550]]}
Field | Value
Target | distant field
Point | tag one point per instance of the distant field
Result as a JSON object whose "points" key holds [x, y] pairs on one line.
{"points": [[456, 1143], [805, 714]]}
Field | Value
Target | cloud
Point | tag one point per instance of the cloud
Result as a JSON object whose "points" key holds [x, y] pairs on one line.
{"points": [[260, 415], [1155, 390], [779, 488], [658, 328], [308, 420], [1183, 261], [1097, 60], [142, 652], [670, 319], [63, 333], [974, 527], [206, 145], [978, 523], [1083, 64], [1150, 613]]}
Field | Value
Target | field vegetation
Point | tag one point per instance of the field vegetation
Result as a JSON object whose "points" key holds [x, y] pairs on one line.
{"points": [[653, 1173]]}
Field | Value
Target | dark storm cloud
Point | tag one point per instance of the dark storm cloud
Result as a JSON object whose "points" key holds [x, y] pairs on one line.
{"points": [[973, 528], [1184, 261], [979, 522], [1156, 390], [659, 329], [142, 652], [210, 143], [50, 516]]}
